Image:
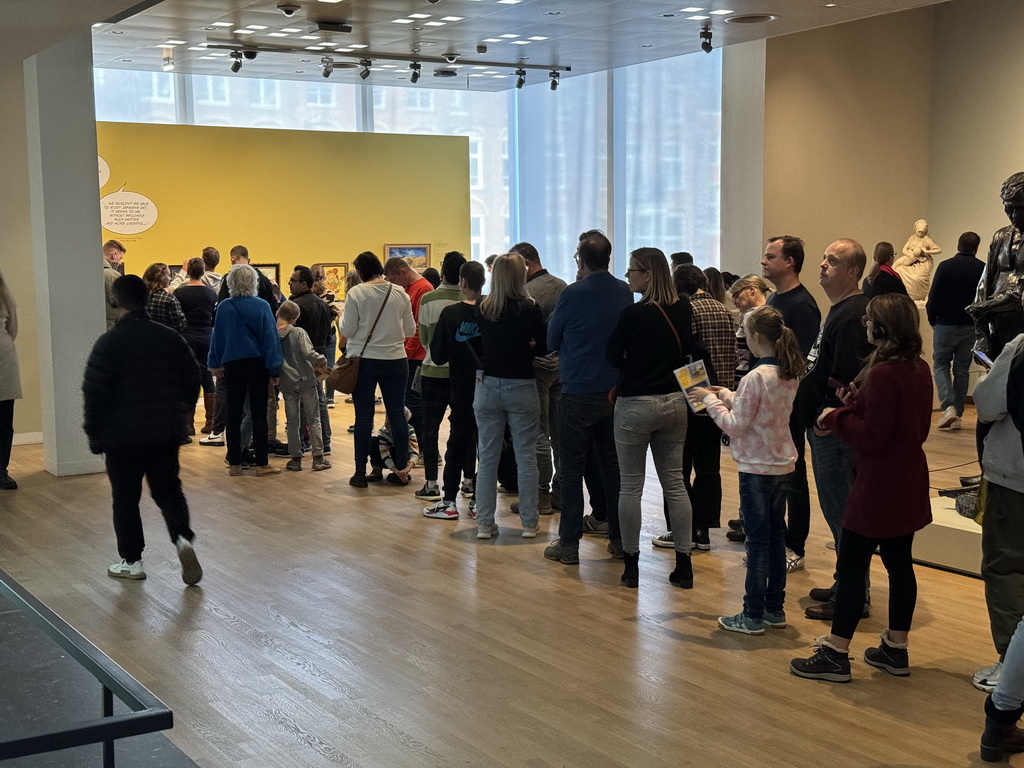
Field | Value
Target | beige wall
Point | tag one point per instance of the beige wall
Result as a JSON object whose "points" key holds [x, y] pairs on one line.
{"points": [[847, 112], [16, 258]]}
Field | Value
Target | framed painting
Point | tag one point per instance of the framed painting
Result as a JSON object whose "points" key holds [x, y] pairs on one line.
{"points": [[417, 254], [272, 272], [334, 277]]}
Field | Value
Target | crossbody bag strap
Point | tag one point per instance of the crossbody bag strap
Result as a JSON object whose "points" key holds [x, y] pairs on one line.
{"points": [[381, 312], [675, 333], [245, 323]]}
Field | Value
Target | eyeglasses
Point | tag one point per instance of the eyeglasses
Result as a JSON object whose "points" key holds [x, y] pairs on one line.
{"points": [[630, 269]]}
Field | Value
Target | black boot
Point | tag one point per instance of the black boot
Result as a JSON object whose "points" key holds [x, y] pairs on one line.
{"points": [[1002, 737], [6, 481], [682, 576], [631, 576]]}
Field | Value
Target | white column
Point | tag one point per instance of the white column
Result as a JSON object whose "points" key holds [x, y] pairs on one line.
{"points": [[66, 241]]}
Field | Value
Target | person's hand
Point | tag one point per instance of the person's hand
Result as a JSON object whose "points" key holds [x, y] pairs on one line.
{"points": [[184, 264], [717, 389], [819, 428], [697, 394]]}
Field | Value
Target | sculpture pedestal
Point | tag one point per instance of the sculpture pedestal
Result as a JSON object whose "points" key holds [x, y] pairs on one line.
{"points": [[950, 541]]}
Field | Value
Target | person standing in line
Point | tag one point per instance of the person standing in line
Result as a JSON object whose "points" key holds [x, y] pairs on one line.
{"points": [[315, 320], [651, 339], [781, 264], [140, 382], [512, 334], [113, 268], [398, 271], [245, 350], [885, 421], [198, 301], [10, 380], [545, 289], [326, 295], [453, 344], [756, 418], [210, 278], [882, 278], [953, 287], [298, 386], [162, 307], [578, 331]]}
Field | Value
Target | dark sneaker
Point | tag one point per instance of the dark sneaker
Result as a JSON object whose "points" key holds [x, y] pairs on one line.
{"points": [[774, 619], [737, 536], [591, 525], [701, 540], [895, 661], [741, 623], [664, 541], [615, 550], [429, 492], [375, 476], [358, 480], [736, 524], [560, 553], [826, 664], [294, 465], [281, 449], [327, 449]]}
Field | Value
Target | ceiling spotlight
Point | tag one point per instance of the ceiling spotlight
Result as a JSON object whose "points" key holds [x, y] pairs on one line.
{"points": [[365, 71], [327, 63], [250, 55], [554, 79], [705, 36], [415, 67], [520, 77], [236, 63]]}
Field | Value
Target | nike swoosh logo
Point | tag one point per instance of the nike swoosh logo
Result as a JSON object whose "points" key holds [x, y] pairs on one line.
{"points": [[460, 336]]}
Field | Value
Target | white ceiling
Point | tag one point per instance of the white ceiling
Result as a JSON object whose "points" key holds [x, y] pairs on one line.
{"points": [[586, 35]]}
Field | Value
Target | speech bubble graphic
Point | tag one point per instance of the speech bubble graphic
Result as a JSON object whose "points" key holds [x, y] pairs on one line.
{"points": [[104, 173], [127, 213]]}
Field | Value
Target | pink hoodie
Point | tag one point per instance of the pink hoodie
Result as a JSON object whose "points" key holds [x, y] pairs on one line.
{"points": [[756, 419]]}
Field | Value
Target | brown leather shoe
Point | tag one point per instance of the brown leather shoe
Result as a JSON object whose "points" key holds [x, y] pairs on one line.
{"points": [[827, 611]]}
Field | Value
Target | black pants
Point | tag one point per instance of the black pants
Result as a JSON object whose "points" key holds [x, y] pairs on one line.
{"points": [[855, 553], [702, 460], [593, 477], [6, 433], [437, 393], [220, 406], [460, 453], [159, 465], [798, 499], [413, 400], [247, 378]]}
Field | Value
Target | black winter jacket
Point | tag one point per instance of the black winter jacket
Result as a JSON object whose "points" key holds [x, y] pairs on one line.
{"points": [[141, 383]]}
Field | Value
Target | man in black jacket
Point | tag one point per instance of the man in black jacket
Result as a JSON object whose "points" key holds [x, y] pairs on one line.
{"points": [[140, 383]]}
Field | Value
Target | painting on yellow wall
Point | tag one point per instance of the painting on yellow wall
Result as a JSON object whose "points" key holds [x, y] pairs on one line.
{"points": [[334, 278], [418, 255], [271, 271]]}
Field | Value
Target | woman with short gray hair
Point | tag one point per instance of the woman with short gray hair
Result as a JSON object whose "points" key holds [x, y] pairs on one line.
{"points": [[246, 351]]}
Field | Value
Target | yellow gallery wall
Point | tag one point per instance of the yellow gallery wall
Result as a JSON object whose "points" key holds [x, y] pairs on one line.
{"points": [[291, 197]]}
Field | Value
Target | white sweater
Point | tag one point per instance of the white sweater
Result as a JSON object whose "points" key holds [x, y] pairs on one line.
{"points": [[396, 324]]}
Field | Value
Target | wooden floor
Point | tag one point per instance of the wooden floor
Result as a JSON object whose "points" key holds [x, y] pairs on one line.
{"points": [[337, 626]]}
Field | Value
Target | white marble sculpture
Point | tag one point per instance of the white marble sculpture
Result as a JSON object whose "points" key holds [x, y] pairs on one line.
{"points": [[916, 264]]}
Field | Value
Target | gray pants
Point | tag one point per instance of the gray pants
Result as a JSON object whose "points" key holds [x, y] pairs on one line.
{"points": [[660, 422], [295, 403]]}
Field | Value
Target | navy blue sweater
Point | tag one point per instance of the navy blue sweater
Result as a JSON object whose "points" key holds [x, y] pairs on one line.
{"points": [[954, 286]]}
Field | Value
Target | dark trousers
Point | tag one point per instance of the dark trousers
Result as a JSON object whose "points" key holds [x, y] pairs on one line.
{"points": [[585, 420], [855, 553], [702, 460], [247, 379], [220, 405], [436, 394], [1002, 562], [798, 499], [413, 400], [159, 465], [391, 376], [594, 479], [460, 454], [6, 433]]}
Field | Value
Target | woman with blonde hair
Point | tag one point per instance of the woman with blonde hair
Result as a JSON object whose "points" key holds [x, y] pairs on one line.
{"points": [[161, 305], [652, 338], [747, 293], [512, 334], [885, 419], [10, 380]]}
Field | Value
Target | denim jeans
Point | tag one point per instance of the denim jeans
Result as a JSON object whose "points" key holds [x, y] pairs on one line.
{"points": [[658, 421], [586, 420], [497, 402], [1009, 693], [391, 376], [763, 499], [833, 477], [952, 344]]}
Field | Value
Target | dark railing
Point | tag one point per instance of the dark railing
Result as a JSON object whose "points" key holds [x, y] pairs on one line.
{"points": [[148, 713]]}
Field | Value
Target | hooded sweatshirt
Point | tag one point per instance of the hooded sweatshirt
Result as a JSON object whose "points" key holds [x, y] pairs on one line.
{"points": [[298, 358]]}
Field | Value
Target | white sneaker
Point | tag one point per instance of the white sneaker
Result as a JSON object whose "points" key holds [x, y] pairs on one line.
{"points": [[486, 531], [794, 562], [125, 570], [443, 510], [947, 418], [214, 438], [530, 531], [986, 678], [955, 424], [191, 570]]}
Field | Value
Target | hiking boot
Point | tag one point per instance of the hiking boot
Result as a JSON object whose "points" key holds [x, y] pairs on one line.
{"points": [[442, 510], [320, 464], [893, 658], [986, 678], [1002, 737], [191, 570], [741, 623], [125, 570], [294, 465], [561, 553], [827, 663], [591, 525]]}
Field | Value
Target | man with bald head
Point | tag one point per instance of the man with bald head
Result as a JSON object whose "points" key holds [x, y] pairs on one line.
{"points": [[837, 355]]}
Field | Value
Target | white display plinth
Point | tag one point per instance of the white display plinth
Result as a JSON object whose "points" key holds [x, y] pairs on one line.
{"points": [[951, 541]]}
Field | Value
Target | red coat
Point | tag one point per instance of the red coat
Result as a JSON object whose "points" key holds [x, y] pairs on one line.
{"points": [[886, 424]]}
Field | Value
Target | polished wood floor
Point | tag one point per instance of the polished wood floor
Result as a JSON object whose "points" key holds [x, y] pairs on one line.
{"points": [[337, 626]]}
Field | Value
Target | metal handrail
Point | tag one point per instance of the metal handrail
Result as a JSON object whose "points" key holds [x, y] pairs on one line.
{"points": [[148, 713]]}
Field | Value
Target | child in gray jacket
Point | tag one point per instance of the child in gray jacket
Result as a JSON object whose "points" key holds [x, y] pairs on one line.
{"points": [[298, 386]]}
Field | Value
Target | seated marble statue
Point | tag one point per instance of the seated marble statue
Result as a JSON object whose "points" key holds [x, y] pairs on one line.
{"points": [[916, 263]]}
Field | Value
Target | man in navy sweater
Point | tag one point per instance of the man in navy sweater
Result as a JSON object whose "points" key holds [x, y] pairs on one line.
{"points": [[953, 288], [584, 317]]}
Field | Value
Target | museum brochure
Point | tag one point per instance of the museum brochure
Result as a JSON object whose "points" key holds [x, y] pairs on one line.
{"points": [[691, 376]]}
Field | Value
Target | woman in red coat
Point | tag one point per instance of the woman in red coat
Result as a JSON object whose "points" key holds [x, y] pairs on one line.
{"points": [[885, 420]]}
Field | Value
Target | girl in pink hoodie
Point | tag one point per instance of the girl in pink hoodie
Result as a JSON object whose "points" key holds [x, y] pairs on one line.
{"points": [[756, 418]]}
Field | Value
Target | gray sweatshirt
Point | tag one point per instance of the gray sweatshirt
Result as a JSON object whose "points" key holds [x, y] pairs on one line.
{"points": [[298, 358], [1003, 461]]}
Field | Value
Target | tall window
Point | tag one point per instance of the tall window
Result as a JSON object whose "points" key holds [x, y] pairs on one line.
{"points": [[210, 90], [265, 94], [474, 163]]}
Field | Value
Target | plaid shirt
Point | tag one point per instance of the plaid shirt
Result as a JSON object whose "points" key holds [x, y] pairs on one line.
{"points": [[163, 308], [715, 331]]}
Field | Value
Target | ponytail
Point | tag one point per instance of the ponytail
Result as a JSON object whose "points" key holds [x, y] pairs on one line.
{"points": [[767, 322]]}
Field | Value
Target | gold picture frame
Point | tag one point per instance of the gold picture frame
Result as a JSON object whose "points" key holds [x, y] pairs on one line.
{"points": [[334, 277], [270, 271], [416, 254]]}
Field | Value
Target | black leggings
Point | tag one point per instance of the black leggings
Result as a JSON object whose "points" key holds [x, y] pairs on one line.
{"points": [[855, 553]]}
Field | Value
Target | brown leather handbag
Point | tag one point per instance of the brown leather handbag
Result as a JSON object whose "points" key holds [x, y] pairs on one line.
{"points": [[345, 374]]}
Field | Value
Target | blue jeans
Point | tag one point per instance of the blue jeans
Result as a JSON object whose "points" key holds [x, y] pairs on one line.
{"points": [[660, 422], [952, 344], [496, 402], [1009, 693], [833, 477], [390, 376], [763, 499], [586, 420]]}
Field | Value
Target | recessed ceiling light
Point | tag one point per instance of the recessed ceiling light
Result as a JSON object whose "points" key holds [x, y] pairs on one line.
{"points": [[209, 29], [720, 13], [277, 34], [173, 42], [329, 1], [419, 15], [211, 58], [343, 50], [218, 55], [417, 29], [499, 77], [669, 15], [452, 18], [402, 21], [690, 10], [315, 47], [291, 30], [310, 37], [435, 23], [197, 48], [538, 37], [243, 32], [493, 40], [520, 42], [255, 26], [831, 5], [223, 24], [510, 36], [698, 18], [509, 2], [356, 45], [752, 18], [553, 13]]}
